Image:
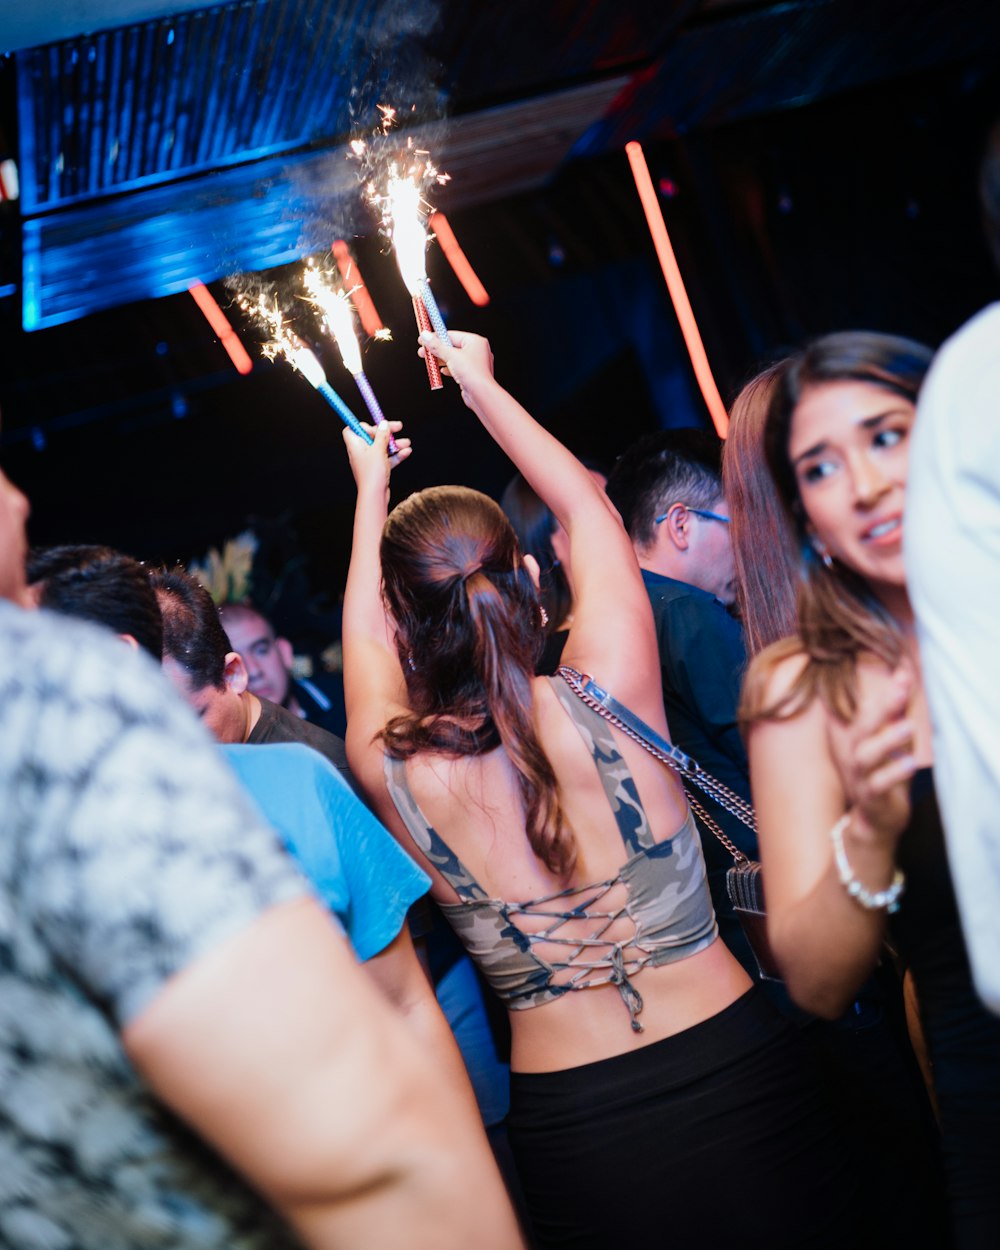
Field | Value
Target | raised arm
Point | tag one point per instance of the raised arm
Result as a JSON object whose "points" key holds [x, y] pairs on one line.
{"points": [[807, 774], [373, 681], [612, 633], [277, 1049]]}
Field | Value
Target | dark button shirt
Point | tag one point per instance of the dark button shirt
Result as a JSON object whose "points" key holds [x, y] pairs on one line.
{"points": [[702, 659]]}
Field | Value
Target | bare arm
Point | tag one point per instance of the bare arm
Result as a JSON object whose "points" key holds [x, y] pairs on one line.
{"points": [[277, 1050], [399, 975], [805, 774], [373, 681], [612, 633]]}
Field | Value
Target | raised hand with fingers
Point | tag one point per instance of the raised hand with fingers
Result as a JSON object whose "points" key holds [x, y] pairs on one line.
{"points": [[371, 465], [875, 756], [468, 359]]}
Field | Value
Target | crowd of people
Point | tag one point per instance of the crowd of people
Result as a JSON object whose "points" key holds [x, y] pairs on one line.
{"points": [[225, 1017]]}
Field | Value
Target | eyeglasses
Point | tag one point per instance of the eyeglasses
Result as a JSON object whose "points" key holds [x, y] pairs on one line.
{"points": [[709, 516]]}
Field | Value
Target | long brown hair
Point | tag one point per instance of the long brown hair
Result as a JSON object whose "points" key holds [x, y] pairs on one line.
{"points": [[765, 549], [468, 633], [839, 617]]}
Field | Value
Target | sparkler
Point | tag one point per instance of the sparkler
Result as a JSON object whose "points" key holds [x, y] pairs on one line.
{"points": [[336, 309], [409, 238], [403, 212], [285, 342], [432, 362]]}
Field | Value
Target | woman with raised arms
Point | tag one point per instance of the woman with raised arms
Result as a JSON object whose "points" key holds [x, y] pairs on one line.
{"points": [[654, 1093]]}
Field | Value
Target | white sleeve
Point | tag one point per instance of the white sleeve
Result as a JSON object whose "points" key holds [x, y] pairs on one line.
{"points": [[952, 552]]}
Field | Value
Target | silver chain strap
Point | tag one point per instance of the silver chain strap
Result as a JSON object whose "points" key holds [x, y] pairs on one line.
{"points": [[721, 794]]}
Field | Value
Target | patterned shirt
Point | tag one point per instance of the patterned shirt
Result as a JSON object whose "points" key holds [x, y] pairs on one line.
{"points": [[126, 852]]}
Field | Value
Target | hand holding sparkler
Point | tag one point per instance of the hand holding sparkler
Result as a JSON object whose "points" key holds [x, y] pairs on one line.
{"points": [[468, 358], [371, 465]]}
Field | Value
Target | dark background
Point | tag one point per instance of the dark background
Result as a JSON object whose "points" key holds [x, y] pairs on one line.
{"points": [[790, 216]]}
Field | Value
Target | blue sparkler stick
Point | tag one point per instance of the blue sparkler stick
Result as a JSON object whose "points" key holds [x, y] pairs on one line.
{"points": [[430, 303], [342, 411]]}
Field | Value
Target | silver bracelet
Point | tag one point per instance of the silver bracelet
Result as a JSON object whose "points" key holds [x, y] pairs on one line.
{"points": [[879, 900]]}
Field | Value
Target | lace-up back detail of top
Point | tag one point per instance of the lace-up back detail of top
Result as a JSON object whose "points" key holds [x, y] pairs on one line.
{"points": [[655, 910]]}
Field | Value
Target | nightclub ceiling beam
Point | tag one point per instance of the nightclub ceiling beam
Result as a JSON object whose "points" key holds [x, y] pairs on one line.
{"points": [[48, 21]]}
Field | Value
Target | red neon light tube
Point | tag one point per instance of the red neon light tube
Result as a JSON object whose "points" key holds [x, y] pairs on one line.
{"points": [[675, 285], [458, 260], [224, 332]]}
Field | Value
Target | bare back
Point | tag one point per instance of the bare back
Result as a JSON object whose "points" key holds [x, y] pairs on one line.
{"points": [[474, 804]]}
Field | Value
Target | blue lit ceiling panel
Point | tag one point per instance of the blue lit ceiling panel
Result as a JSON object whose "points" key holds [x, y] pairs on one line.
{"points": [[158, 242], [151, 103]]}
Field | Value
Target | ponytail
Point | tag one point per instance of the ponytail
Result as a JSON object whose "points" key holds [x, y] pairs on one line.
{"points": [[469, 634], [507, 689]]}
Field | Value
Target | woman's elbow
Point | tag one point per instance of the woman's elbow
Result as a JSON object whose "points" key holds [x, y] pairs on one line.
{"points": [[816, 995], [812, 979]]}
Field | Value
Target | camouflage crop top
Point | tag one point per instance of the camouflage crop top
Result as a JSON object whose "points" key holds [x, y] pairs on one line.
{"points": [[666, 896]]}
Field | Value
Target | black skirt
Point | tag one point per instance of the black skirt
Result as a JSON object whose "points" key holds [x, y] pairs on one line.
{"points": [[722, 1133]]}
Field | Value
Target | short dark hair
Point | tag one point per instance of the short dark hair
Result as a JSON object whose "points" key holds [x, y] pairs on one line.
{"points": [[193, 636], [671, 466], [99, 584], [534, 523]]}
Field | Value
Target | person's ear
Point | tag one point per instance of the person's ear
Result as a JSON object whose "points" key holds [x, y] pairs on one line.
{"points": [[677, 525], [131, 640], [235, 673], [534, 570], [285, 652]]}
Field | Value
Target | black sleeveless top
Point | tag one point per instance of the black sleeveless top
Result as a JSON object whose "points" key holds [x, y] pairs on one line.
{"points": [[963, 1038]]}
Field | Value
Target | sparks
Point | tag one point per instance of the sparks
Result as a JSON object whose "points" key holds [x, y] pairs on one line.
{"points": [[335, 305], [286, 343], [406, 223], [397, 195]]}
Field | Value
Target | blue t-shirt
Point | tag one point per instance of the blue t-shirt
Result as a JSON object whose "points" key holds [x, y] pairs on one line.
{"points": [[354, 864]]}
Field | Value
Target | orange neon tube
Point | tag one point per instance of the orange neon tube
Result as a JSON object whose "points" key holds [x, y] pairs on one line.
{"points": [[458, 260], [351, 276], [224, 332], [675, 285]]}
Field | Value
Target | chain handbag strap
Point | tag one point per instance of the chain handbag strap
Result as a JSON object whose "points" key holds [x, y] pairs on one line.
{"points": [[691, 772]]}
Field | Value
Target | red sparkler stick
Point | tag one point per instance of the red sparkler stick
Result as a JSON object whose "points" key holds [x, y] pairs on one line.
{"points": [[424, 323]]}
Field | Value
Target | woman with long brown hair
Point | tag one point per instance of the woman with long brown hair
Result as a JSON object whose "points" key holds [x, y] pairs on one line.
{"points": [[643, 1063], [840, 745]]}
